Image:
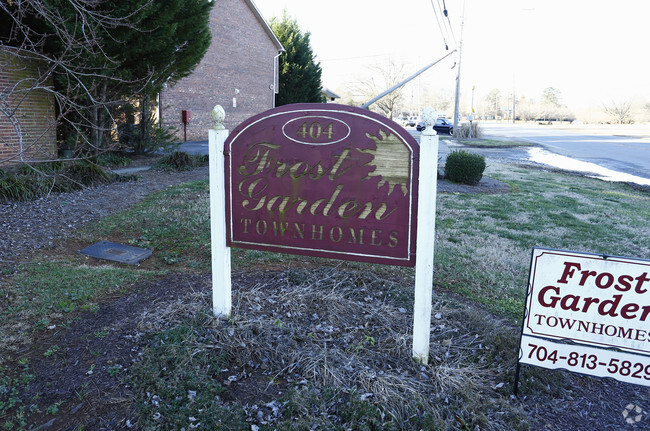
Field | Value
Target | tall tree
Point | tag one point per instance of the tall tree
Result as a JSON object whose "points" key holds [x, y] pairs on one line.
{"points": [[620, 111], [552, 96], [166, 42], [300, 74], [493, 100], [172, 38]]}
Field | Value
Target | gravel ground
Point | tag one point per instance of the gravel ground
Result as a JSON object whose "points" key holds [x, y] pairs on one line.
{"points": [[26, 227]]}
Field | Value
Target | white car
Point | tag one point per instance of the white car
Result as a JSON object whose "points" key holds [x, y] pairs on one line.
{"points": [[410, 121]]}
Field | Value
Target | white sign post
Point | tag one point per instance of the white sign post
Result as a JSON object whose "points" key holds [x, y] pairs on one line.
{"points": [[426, 213], [580, 307], [221, 265], [426, 233]]}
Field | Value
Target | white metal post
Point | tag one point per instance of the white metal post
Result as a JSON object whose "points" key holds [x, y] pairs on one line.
{"points": [[221, 269], [426, 215]]}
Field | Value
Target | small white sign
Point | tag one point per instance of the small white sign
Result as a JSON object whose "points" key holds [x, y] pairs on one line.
{"points": [[588, 300]]}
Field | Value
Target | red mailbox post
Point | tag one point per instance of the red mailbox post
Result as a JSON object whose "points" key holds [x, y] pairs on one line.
{"points": [[186, 116]]}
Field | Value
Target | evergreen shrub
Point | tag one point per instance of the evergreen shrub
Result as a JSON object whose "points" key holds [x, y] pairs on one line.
{"points": [[465, 168]]}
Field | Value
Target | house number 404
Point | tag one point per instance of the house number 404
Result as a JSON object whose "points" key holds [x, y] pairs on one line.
{"points": [[315, 130]]}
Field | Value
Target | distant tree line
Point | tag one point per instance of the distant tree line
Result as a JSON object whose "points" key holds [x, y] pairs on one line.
{"points": [[549, 107]]}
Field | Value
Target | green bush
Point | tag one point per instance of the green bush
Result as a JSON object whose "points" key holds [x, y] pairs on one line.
{"points": [[17, 188], [465, 168], [88, 174]]}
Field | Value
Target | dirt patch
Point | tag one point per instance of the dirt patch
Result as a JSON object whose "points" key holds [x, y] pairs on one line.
{"points": [[92, 353], [98, 348], [27, 228]]}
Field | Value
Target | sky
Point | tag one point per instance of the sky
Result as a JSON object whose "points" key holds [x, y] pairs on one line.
{"points": [[594, 51]]}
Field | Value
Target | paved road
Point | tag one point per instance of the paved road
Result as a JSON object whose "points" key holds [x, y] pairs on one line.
{"points": [[604, 148]]}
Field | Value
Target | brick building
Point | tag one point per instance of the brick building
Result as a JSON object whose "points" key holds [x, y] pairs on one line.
{"points": [[239, 72], [27, 117]]}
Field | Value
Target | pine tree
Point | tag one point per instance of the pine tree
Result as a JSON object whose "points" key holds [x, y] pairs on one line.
{"points": [[172, 38], [300, 75]]}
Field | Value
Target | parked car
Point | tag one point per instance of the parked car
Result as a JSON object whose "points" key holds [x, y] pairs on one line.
{"points": [[410, 122], [442, 126]]}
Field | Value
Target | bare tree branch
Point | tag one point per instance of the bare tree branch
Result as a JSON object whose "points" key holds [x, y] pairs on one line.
{"points": [[39, 41], [391, 74]]}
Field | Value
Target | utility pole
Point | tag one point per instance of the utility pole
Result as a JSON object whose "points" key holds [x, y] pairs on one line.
{"points": [[473, 88], [460, 55], [514, 100]]}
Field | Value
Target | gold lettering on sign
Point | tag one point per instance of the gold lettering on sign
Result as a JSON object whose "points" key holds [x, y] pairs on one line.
{"points": [[260, 162], [256, 159], [315, 130], [327, 206], [391, 161], [259, 159], [319, 186], [319, 232]]}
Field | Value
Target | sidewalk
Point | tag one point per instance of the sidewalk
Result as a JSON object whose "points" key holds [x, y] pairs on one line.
{"points": [[195, 147], [129, 171], [198, 147]]}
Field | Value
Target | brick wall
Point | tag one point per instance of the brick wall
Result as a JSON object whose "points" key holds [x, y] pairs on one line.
{"points": [[34, 114], [241, 57]]}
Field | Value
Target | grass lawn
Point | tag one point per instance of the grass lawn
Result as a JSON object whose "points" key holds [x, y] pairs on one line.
{"points": [[320, 342], [484, 241]]}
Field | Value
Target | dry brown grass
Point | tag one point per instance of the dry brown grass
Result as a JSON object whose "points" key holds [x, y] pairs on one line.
{"points": [[326, 328]]}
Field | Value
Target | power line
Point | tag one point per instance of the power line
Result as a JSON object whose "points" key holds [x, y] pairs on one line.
{"points": [[451, 28], [442, 32], [447, 24]]}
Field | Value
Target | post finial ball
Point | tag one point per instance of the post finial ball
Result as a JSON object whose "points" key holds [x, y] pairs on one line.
{"points": [[429, 119], [218, 115]]}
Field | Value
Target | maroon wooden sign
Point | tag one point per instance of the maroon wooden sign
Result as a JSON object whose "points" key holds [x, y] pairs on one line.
{"points": [[323, 180]]}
